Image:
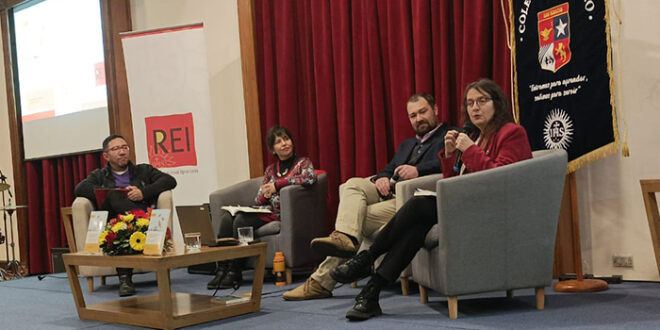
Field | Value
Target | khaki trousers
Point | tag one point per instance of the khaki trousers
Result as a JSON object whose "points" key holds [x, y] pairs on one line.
{"points": [[360, 214]]}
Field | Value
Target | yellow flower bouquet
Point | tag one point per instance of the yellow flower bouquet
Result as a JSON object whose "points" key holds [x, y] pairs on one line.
{"points": [[125, 234]]}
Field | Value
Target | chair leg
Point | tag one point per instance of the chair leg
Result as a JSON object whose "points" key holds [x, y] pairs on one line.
{"points": [[353, 285], [102, 280], [289, 276], [423, 295], [90, 284], [540, 298], [404, 285], [452, 302], [509, 294]]}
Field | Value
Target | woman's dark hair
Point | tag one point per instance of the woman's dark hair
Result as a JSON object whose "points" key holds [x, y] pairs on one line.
{"points": [[502, 114], [277, 131], [107, 140]]}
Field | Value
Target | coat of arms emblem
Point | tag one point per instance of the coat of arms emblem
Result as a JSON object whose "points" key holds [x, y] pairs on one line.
{"points": [[554, 37]]}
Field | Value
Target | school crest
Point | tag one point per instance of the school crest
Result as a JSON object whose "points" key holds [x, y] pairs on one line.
{"points": [[554, 37]]}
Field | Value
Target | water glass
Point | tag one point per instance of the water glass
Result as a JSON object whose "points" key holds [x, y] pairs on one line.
{"points": [[193, 242], [245, 235]]}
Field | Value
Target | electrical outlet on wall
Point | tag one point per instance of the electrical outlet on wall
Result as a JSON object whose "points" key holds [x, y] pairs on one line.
{"points": [[622, 261]]}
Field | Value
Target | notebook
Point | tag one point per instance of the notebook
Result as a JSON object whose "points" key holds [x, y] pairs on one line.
{"points": [[197, 219]]}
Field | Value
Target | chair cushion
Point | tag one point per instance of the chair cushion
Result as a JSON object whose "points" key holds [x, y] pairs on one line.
{"points": [[270, 228], [432, 237]]}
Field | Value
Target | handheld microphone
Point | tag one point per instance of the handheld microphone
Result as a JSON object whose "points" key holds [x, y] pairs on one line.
{"points": [[468, 128]]}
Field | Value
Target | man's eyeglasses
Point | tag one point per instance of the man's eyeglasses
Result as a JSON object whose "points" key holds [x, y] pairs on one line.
{"points": [[480, 101], [117, 148]]}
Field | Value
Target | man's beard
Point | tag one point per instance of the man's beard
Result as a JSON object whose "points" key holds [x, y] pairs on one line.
{"points": [[429, 128]]}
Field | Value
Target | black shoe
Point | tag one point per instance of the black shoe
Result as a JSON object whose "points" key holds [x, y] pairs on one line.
{"points": [[366, 304], [234, 279], [126, 287], [354, 269], [220, 274]]}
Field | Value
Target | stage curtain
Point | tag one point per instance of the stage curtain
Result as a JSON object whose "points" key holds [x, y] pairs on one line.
{"points": [[50, 187], [338, 73]]}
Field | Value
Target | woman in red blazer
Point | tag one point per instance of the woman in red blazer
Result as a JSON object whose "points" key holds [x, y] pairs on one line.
{"points": [[497, 141]]}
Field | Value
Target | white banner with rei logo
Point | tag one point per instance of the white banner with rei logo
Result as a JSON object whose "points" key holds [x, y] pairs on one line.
{"points": [[168, 83]]}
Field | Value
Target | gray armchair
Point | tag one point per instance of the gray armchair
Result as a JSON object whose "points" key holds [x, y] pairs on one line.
{"points": [[302, 218], [496, 230]]}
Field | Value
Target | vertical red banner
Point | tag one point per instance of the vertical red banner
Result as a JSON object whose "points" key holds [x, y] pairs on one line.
{"points": [[171, 140]]}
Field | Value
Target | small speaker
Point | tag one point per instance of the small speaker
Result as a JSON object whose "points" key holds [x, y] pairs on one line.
{"points": [[56, 259]]}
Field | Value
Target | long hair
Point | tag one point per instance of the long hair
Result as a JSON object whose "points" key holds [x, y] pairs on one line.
{"points": [[502, 114]]}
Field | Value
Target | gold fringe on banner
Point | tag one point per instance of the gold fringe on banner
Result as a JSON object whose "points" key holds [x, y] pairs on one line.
{"points": [[624, 148], [513, 68]]}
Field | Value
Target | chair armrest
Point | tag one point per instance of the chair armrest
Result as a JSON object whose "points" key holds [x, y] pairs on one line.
{"points": [[80, 210], [406, 189], [241, 193], [303, 217]]}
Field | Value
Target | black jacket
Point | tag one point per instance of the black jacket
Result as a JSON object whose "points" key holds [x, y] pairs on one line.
{"points": [[149, 179], [428, 162]]}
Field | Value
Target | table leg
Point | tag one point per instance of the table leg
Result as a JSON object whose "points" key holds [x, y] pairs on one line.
{"points": [[72, 274], [165, 296], [258, 281]]}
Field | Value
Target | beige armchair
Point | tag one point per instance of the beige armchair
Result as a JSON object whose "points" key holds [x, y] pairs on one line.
{"points": [[76, 222]]}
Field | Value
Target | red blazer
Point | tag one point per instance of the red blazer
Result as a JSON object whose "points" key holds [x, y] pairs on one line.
{"points": [[508, 145]]}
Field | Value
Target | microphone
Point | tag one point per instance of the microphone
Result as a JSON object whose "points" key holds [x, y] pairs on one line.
{"points": [[468, 128]]}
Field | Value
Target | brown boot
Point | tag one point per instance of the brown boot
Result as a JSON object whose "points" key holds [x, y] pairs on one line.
{"points": [[308, 290], [337, 244]]}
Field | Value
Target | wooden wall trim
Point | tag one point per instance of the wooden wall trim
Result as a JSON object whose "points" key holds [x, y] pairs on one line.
{"points": [[116, 16], [16, 140], [250, 91]]}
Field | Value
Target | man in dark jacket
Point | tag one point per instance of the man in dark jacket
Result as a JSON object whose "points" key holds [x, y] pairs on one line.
{"points": [[143, 183], [367, 204]]}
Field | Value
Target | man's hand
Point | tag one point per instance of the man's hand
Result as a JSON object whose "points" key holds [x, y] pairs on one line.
{"points": [[383, 186], [134, 193], [268, 189], [406, 172]]}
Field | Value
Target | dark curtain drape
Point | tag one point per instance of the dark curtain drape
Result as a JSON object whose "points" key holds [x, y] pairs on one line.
{"points": [[50, 187], [338, 73]]}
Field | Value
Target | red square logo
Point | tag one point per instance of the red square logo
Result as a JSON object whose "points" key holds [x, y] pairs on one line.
{"points": [[171, 140]]}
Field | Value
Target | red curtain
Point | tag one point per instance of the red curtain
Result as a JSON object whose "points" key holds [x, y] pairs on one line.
{"points": [[338, 73], [50, 184]]}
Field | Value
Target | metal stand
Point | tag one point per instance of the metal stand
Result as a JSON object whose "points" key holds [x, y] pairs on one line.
{"points": [[13, 269]]}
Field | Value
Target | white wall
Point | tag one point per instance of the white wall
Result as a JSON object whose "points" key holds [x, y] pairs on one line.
{"points": [[612, 214], [220, 20]]}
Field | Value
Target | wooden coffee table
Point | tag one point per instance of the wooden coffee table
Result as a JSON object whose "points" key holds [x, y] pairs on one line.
{"points": [[166, 310]]}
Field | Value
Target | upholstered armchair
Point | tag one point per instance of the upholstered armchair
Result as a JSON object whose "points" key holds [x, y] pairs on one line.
{"points": [[80, 210], [302, 218], [496, 230], [404, 190]]}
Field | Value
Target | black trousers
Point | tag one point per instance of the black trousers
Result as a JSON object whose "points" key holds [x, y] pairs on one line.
{"points": [[229, 224], [404, 235], [117, 203]]}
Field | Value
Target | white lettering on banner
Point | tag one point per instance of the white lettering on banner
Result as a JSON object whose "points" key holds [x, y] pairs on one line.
{"points": [[522, 19], [565, 83]]}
